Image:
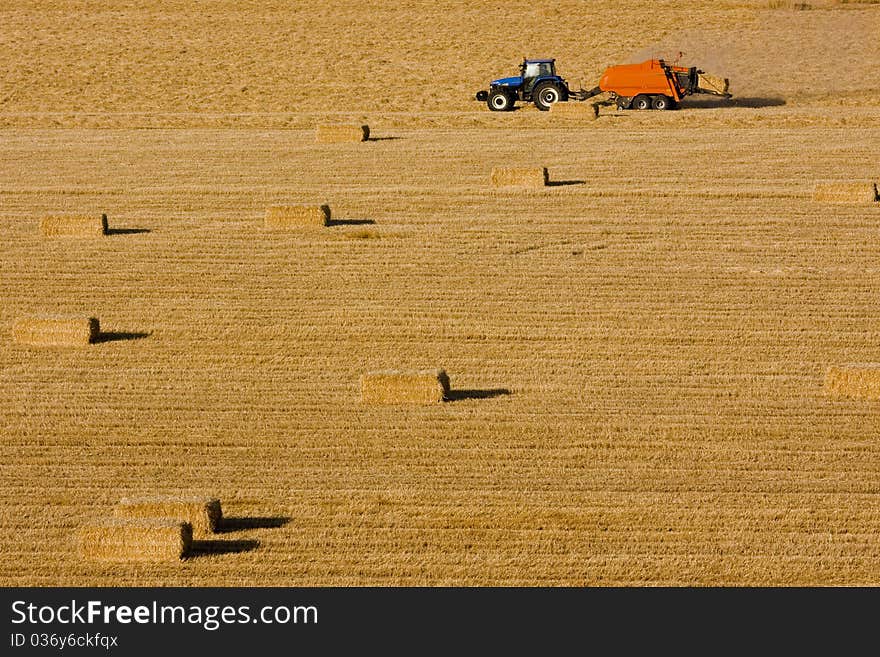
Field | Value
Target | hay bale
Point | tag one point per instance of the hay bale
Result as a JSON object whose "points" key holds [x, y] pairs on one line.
{"points": [[714, 84], [409, 387], [856, 381], [336, 134], [202, 513], [56, 331], [86, 225], [846, 192], [297, 216], [520, 177], [117, 539], [576, 110]]}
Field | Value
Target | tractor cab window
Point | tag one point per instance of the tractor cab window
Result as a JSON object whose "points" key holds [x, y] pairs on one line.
{"points": [[537, 69]]}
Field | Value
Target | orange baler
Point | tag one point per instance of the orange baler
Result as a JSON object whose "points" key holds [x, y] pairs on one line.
{"points": [[654, 84]]}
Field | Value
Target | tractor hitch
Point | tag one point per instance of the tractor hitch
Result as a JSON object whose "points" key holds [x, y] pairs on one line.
{"points": [[583, 94]]}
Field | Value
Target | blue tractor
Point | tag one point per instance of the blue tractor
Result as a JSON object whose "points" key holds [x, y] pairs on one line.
{"points": [[536, 83]]}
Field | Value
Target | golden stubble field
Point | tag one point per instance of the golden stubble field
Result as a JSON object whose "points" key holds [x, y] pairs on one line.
{"points": [[638, 353]]}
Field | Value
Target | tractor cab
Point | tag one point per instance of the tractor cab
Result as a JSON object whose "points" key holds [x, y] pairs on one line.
{"points": [[532, 70]]}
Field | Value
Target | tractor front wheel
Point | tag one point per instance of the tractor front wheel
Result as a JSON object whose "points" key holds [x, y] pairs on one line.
{"points": [[546, 94], [642, 102], [500, 101]]}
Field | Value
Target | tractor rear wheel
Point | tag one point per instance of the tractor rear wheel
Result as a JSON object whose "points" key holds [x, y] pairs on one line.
{"points": [[642, 102], [546, 94], [662, 103], [500, 101]]}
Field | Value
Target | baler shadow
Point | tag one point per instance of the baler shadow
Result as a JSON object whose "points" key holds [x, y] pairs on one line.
{"points": [[746, 101], [235, 524], [222, 546], [487, 393], [383, 138]]}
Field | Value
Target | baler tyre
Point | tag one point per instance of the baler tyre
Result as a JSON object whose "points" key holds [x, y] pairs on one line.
{"points": [[546, 94], [499, 101], [662, 102], [641, 102]]}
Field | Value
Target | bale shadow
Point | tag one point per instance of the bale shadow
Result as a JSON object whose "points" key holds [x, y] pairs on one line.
{"points": [[351, 222], [235, 524], [753, 102], [222, 546], [118, 336], [128, 231], [486, 393], [383, 138], [563, 183]]}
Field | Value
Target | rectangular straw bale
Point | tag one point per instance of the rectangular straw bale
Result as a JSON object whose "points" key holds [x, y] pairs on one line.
{"points": [[335, 134], [120, 539], [856, 381], [203, 513], [580, 110], [56, 331], [293, 216], [404, 387], [85, 225], [520, 177], [845, 192], [713, 83]]}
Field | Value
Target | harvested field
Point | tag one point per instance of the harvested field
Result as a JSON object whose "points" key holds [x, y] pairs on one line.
{"points": [[335, 134], [56, 331], [663, 316], [397, 387], [203, 514], [586, 111], [74, 225], [150, 540]]}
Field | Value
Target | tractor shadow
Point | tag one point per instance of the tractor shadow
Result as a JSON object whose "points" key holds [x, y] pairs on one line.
{"points": [[236, 524], [383, 138], [351, 222], [222, 546], [486, 393], [128, 231], [120, 336], [565, 183]]}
